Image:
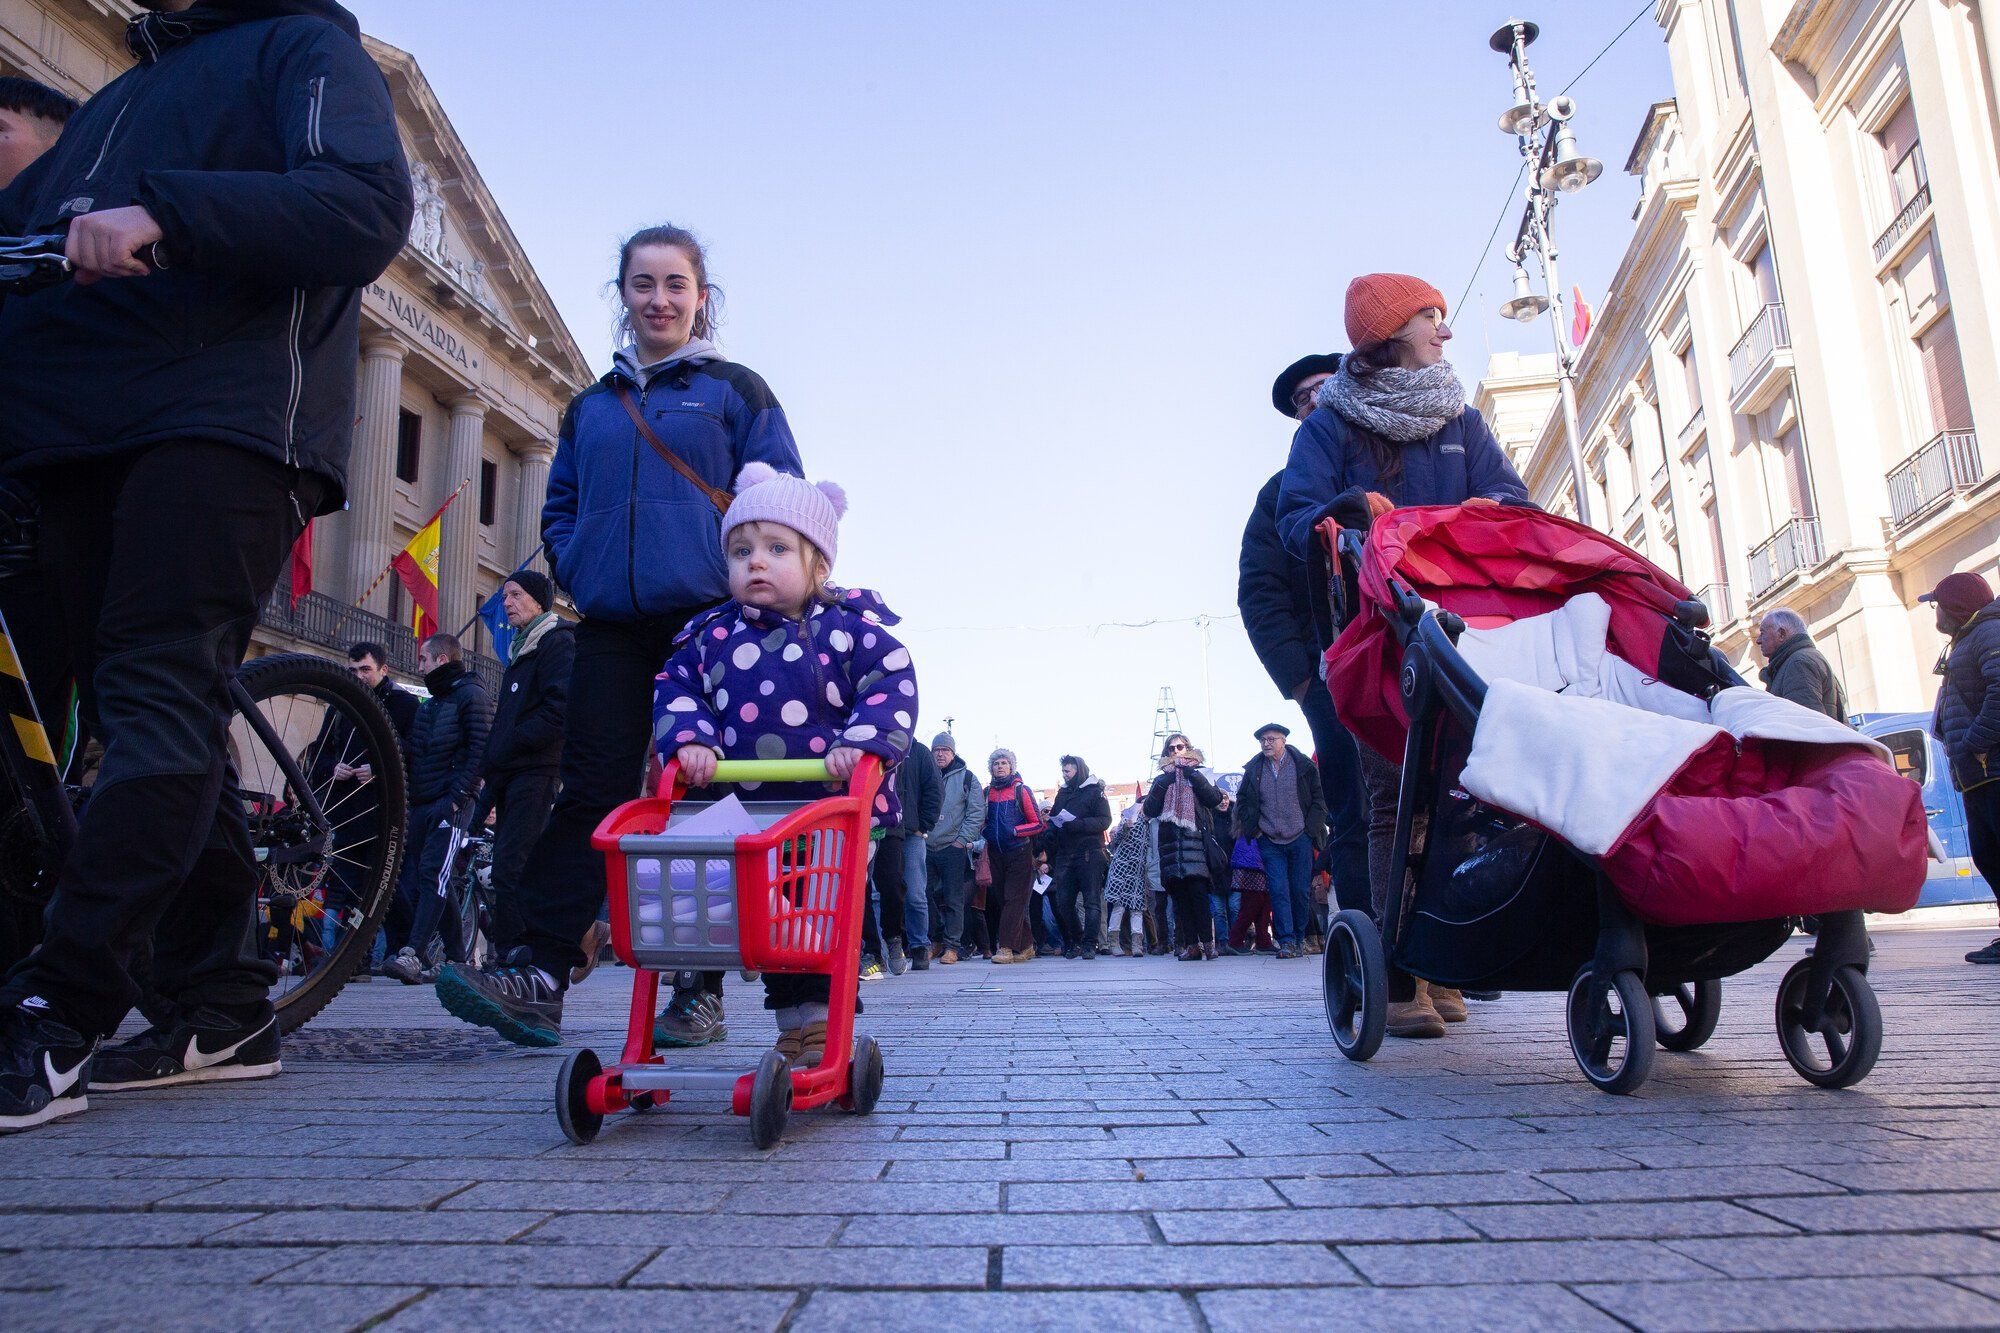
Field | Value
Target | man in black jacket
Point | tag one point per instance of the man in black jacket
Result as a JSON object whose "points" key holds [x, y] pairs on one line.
{"points": [[524, 749], [1795, 668], [1078, 819], [446, 746], [1290, 628], [180, 410], [902, 908], [349, 784]]}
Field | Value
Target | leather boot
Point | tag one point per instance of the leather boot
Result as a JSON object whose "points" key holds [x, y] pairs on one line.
{"points": [[1415, 1018]]}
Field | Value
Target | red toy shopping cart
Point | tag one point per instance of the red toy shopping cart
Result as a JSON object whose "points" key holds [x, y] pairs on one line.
{"points": [[787, 898]]}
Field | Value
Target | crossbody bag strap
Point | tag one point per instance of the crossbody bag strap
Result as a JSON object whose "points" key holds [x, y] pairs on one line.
{"points": [[716, 496]]}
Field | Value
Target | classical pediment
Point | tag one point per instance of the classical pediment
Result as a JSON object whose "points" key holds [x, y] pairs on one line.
{"points": [[459, 238]]}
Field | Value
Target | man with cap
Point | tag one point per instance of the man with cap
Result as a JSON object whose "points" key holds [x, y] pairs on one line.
{"points": [[1966, 720], [954, 841], [1289, 628], [1280, 808], [524, 749]]}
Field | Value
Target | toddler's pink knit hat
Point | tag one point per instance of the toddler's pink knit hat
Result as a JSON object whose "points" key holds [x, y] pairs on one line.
{"points": [[766, 495]]}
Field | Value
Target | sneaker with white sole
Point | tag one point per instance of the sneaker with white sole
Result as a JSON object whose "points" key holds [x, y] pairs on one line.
{"points": [[202, 1047], [44, 1066]]}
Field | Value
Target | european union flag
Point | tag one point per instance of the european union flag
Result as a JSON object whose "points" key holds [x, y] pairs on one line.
{"points": [[497, 627]]}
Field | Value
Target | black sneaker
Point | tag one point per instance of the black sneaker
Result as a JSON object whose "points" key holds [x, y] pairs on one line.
{"points": [[691, 1018], [1990, 954], [202, 1047], [44, 1066], [898, 961], [920, 961], [516, 1001]]}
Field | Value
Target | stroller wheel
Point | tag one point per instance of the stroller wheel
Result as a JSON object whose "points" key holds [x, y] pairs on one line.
{"points": [[770, 1099], [1355, 982], [1686, 1016], [1841, 1047], [1611, 1029], [573, 1112], [864, 1077]]}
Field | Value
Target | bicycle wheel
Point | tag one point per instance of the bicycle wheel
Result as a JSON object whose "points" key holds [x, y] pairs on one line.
{"points": [[324, 882]]}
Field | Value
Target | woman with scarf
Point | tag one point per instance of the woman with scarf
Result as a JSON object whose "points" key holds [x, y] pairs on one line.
{"points": [[1078, 818], [1392, 429], [1181, 800], [1013, 823]]}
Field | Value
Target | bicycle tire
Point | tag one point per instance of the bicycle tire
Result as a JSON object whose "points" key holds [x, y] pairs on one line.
{"points": [[282, 674]]}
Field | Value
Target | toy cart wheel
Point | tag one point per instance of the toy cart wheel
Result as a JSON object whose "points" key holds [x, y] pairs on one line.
{"points": [[573, 1112], [1686, 1016], [770, 1099], [1842, 1047], [1355, 983], [1611, 1029], [864, 1077], [643, 1101]]}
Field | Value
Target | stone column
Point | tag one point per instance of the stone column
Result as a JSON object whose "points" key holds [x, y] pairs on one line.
{"points": [[458, 561], [371, 473], [536, 457]]}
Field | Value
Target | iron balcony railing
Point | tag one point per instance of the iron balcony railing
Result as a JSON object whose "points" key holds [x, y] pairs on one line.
{"points": [[1721, 607], [1919, 204], [1933, 474], [327, 622], [1768, 334], [1795, 546]]}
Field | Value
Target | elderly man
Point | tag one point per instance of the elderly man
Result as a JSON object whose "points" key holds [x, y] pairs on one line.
{"points": [[1289, 633], [1795, 668], [1279, 807], [953, 842]]}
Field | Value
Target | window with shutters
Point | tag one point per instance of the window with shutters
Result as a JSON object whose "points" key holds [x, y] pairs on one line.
{"points": [[1944, 377], [1690, 381], [1790, 447], [1903, 156]]}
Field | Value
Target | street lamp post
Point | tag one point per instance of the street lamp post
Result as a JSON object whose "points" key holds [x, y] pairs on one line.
{"points": [[1555, 167]]}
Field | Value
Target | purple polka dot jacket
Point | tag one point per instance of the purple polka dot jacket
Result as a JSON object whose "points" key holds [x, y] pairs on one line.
{"points": [[752, 684]]}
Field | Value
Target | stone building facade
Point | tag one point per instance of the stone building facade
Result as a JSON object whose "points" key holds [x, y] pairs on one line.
{"points": [[1792, 394]]}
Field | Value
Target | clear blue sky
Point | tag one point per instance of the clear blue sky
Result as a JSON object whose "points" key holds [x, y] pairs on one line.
{"points": [[1022, 273]]}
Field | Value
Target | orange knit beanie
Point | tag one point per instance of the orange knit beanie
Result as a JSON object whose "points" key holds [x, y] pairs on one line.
{"points": [[1378, 304]]}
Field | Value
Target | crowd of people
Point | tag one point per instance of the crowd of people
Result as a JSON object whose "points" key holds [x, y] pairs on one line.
{"points": [[700, 564]]}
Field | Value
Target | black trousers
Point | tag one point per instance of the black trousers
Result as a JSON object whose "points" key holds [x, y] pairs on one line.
{"points": [[160, 561], [1194, 924], [1077, 889], [521, 804], [1345, 855], [950, 875], [603, 763], [1982, 828], [420, 913]]}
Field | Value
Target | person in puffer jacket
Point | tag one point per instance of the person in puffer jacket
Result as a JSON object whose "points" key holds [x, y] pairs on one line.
{"points": [[1013, 823], [1078, 818], [789, 668], [637, 542], [1966, 720]]}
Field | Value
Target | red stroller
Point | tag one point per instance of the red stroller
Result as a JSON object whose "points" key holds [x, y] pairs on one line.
{"points": [[786, 899], [1592, 801]]}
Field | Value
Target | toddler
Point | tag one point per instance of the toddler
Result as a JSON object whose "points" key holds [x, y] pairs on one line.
{"points": [[789, 667]]}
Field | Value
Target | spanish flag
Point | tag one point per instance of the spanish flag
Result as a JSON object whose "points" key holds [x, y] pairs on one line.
{"points": [[417, 566]]}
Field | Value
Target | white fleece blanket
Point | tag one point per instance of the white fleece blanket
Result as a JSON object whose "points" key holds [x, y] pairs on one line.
{"points": [[1580, 741]]}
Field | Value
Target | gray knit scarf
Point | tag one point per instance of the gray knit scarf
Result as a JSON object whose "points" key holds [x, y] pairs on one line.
{"points": [[1400, 405]]}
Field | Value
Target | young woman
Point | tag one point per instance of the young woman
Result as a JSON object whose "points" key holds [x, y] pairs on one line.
{"points": [[1392, 428], [633, 525], [1183, 799]]}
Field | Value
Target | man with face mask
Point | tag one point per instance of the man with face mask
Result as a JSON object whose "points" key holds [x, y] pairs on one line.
{"points": [[179, 412]]}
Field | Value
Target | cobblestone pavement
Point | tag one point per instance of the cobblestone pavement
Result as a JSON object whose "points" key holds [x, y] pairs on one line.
{"points": [[1145, 1143]]}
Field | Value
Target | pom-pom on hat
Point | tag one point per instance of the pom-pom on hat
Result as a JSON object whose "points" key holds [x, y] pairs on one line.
{"points": [[811, 509], [1380, 303]]}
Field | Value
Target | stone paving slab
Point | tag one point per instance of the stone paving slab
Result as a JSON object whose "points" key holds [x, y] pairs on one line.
{"points": [[1138, 1144]]}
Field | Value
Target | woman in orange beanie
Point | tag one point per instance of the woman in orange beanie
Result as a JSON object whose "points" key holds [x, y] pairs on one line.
{"points": [[1392, 428]]}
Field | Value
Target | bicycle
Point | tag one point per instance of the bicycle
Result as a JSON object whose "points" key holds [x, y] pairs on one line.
{"points": [[327, 848]]}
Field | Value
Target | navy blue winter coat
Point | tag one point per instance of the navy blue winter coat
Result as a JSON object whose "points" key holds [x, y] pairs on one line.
{"points": [[1967, 719], [1331, 460], [264, 144], [1274, 593], [630, 537]]}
